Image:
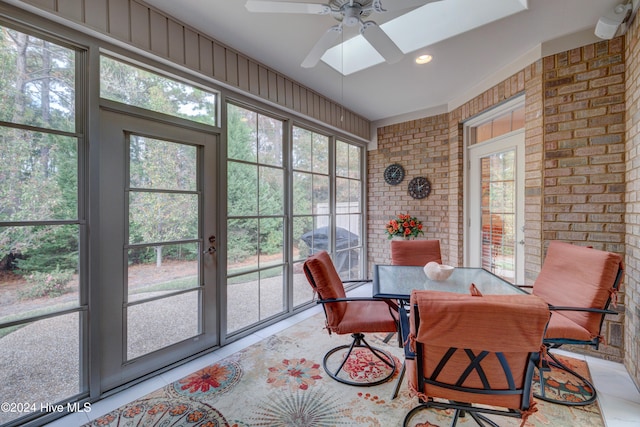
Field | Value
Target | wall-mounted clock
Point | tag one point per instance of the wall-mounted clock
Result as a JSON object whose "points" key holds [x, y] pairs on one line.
{"points": [[419, 187], [394, 174]]}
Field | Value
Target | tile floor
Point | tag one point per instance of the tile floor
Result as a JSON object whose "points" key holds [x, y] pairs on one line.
{"points": [[618, 397]]}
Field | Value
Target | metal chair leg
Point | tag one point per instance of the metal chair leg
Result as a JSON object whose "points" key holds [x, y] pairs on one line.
{"points": [[590, 396], [396, 389], [359, 342]]}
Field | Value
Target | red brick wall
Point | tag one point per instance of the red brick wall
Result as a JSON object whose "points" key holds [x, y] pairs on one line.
{"points": [[632, 217], [422, 148], [584, 157], [575, 163]]}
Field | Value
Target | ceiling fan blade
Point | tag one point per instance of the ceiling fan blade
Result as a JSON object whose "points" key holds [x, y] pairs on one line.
{"points": [[381, 42], [391, 5], [325, 42], [287, 7]]}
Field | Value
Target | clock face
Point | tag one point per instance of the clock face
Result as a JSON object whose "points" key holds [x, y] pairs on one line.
{"points": [[394, 174], [419, 187]]}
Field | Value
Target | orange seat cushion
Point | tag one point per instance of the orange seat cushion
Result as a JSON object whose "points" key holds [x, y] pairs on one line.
{"points": [[415, 252], [366, 316], [561, 327]]}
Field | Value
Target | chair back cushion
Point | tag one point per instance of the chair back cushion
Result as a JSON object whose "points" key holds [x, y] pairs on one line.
{"points": [[324, 280], [415, 252], [512, 325], [577, 276]]}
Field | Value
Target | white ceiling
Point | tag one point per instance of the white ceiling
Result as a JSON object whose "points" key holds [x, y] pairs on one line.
{"points": [[463, 65]]}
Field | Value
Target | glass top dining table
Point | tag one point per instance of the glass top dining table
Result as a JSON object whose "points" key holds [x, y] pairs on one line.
{"points": [[397, 282]]}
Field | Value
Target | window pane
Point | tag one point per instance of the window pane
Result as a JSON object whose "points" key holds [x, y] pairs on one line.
{"points": [[354, 161], [38, 82], [301, 226], [135, 86], [254, 297], [162, 269], [342, 159], [320, 194], [160, 217], [157, 164], [271, 292], [242, 246], [241, 139], [271, 186], [50, 361], [483, 132], [302, 291], [502, 125], [320, 154], [39, 268], [342, 194], [271, 241], [38, 176], [242, 189], [243, 301], [517, 120], [355, 194], [301, 149], [302, 193], [157, 324], [269, 141]]}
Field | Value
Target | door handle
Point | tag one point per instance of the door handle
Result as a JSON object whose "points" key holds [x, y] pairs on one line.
{"points": [[212, 248]]}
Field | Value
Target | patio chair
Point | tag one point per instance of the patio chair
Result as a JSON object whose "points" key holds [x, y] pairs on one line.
{"points": [[415, 252], [579, 284], [355, 316], [474, 355]]}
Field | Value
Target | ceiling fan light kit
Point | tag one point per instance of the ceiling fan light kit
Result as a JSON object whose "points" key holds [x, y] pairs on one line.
{"points": [[348, 13]]}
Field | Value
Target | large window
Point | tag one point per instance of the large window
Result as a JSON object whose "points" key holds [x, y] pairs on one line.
{"points": [[322, 206], [349, 212], [255, 223], [41, 222], [136, 86], [311, 202]]}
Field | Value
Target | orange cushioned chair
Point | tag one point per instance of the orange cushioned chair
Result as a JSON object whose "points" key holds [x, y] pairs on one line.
{"points": [[353, 316], [578, 283], [415, 252], [474, 354]]}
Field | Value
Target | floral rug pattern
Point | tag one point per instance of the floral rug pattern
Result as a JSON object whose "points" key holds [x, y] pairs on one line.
{"points": [[280, 382]]}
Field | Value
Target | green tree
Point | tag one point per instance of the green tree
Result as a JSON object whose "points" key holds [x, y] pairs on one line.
{"points": [[254, 189], [38, 170]]}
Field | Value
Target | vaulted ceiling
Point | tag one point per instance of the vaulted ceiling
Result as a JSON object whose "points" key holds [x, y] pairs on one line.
{"points": [[463, 64]]}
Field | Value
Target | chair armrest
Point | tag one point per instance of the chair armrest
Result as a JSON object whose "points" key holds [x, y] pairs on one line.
{"points": [[358, 281], [526, 288], [586, 309], [330, 300]]}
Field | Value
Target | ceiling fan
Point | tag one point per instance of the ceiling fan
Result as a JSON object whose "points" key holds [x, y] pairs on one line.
{"points": [[349, 13]]}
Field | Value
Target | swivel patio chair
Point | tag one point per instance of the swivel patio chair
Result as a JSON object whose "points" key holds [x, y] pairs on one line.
{"points": [[415, 252], [355, 316], [579, 284], [474, 355]]}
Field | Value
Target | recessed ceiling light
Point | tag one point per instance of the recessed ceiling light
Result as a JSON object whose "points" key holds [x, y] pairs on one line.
{"points": [[423, 59]]}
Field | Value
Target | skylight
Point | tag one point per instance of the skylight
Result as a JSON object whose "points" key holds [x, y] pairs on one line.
{"points": [[420, 28]]}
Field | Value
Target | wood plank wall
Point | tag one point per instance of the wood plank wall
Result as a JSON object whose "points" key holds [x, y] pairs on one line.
{"points": [[144, 27]]}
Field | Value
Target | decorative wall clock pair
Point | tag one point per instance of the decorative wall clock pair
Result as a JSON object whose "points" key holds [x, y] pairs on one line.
{"points": [[419, 187]]}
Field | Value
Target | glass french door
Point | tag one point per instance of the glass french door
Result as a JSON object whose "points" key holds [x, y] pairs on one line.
{"points": [[496, 207], [157, 245]]}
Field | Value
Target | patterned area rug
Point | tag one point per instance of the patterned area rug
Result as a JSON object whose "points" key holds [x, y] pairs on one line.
{"points": [[280, 382]]}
